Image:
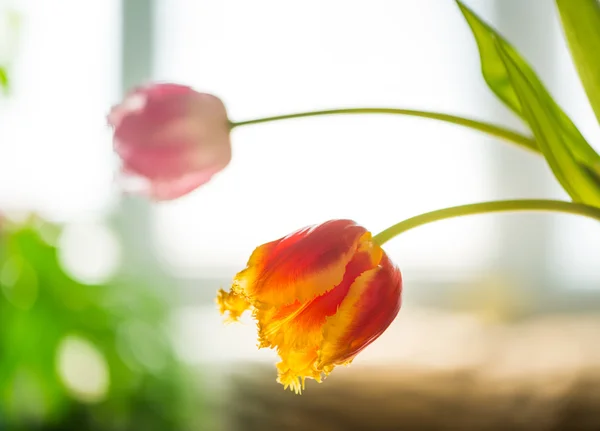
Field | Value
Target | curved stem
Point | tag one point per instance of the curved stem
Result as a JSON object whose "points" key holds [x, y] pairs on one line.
{"points": [[487, 207], [490, 129]]}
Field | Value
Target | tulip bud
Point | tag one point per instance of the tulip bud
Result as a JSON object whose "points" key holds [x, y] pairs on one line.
{"points": [[320, 296], [170, 138]]}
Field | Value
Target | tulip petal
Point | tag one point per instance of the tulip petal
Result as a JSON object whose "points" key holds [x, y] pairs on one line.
{"points": [[296, 330], [296, 368], [369, 308], [233, 303], [319, 296], [172, 137], [169, 190], [303, 321], [302, 265]]}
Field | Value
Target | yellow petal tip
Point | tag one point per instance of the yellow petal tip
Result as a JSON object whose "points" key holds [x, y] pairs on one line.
{"points": [[232, 303]]}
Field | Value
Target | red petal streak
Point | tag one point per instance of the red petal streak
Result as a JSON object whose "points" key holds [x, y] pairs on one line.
{"points": [[370, 307], [299, 326], [302, 265]]}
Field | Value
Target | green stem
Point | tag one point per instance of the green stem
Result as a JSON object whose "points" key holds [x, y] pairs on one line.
{"points": [[490, 129], [486, 207]]}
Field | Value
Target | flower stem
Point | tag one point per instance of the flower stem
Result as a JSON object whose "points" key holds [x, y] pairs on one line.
{"points": [[490, 129], [487, 207]]}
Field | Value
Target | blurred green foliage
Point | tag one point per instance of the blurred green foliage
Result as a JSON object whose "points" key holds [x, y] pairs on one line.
{"points": [[3, 79], [10, 32], [49, 321]]}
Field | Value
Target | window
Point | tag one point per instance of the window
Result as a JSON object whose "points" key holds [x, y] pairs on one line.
{"points": [[269, 57], [576, 253], [55, 155]]}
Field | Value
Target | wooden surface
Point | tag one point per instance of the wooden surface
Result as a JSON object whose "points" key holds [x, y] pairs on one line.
{"points": [[542, 375]]}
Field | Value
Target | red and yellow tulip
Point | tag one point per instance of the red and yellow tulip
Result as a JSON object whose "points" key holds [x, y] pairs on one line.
{"points": [[319, 295]]}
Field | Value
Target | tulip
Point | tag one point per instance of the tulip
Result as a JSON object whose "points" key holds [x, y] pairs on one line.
{"points": [[319, 295], [170, 137]]}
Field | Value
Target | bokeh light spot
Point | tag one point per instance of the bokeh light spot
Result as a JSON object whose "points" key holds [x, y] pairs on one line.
{"points": [[89, 252], [82, 369]]}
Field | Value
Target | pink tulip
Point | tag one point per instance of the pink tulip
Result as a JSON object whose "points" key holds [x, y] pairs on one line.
{"points": [[170, 138]]}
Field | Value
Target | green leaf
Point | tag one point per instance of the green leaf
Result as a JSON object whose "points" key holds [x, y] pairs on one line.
{"points": [[581, 23], [496, 76], [542, 118]]}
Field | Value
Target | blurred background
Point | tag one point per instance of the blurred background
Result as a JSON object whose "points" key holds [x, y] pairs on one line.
{"points": [[107, 315]]}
